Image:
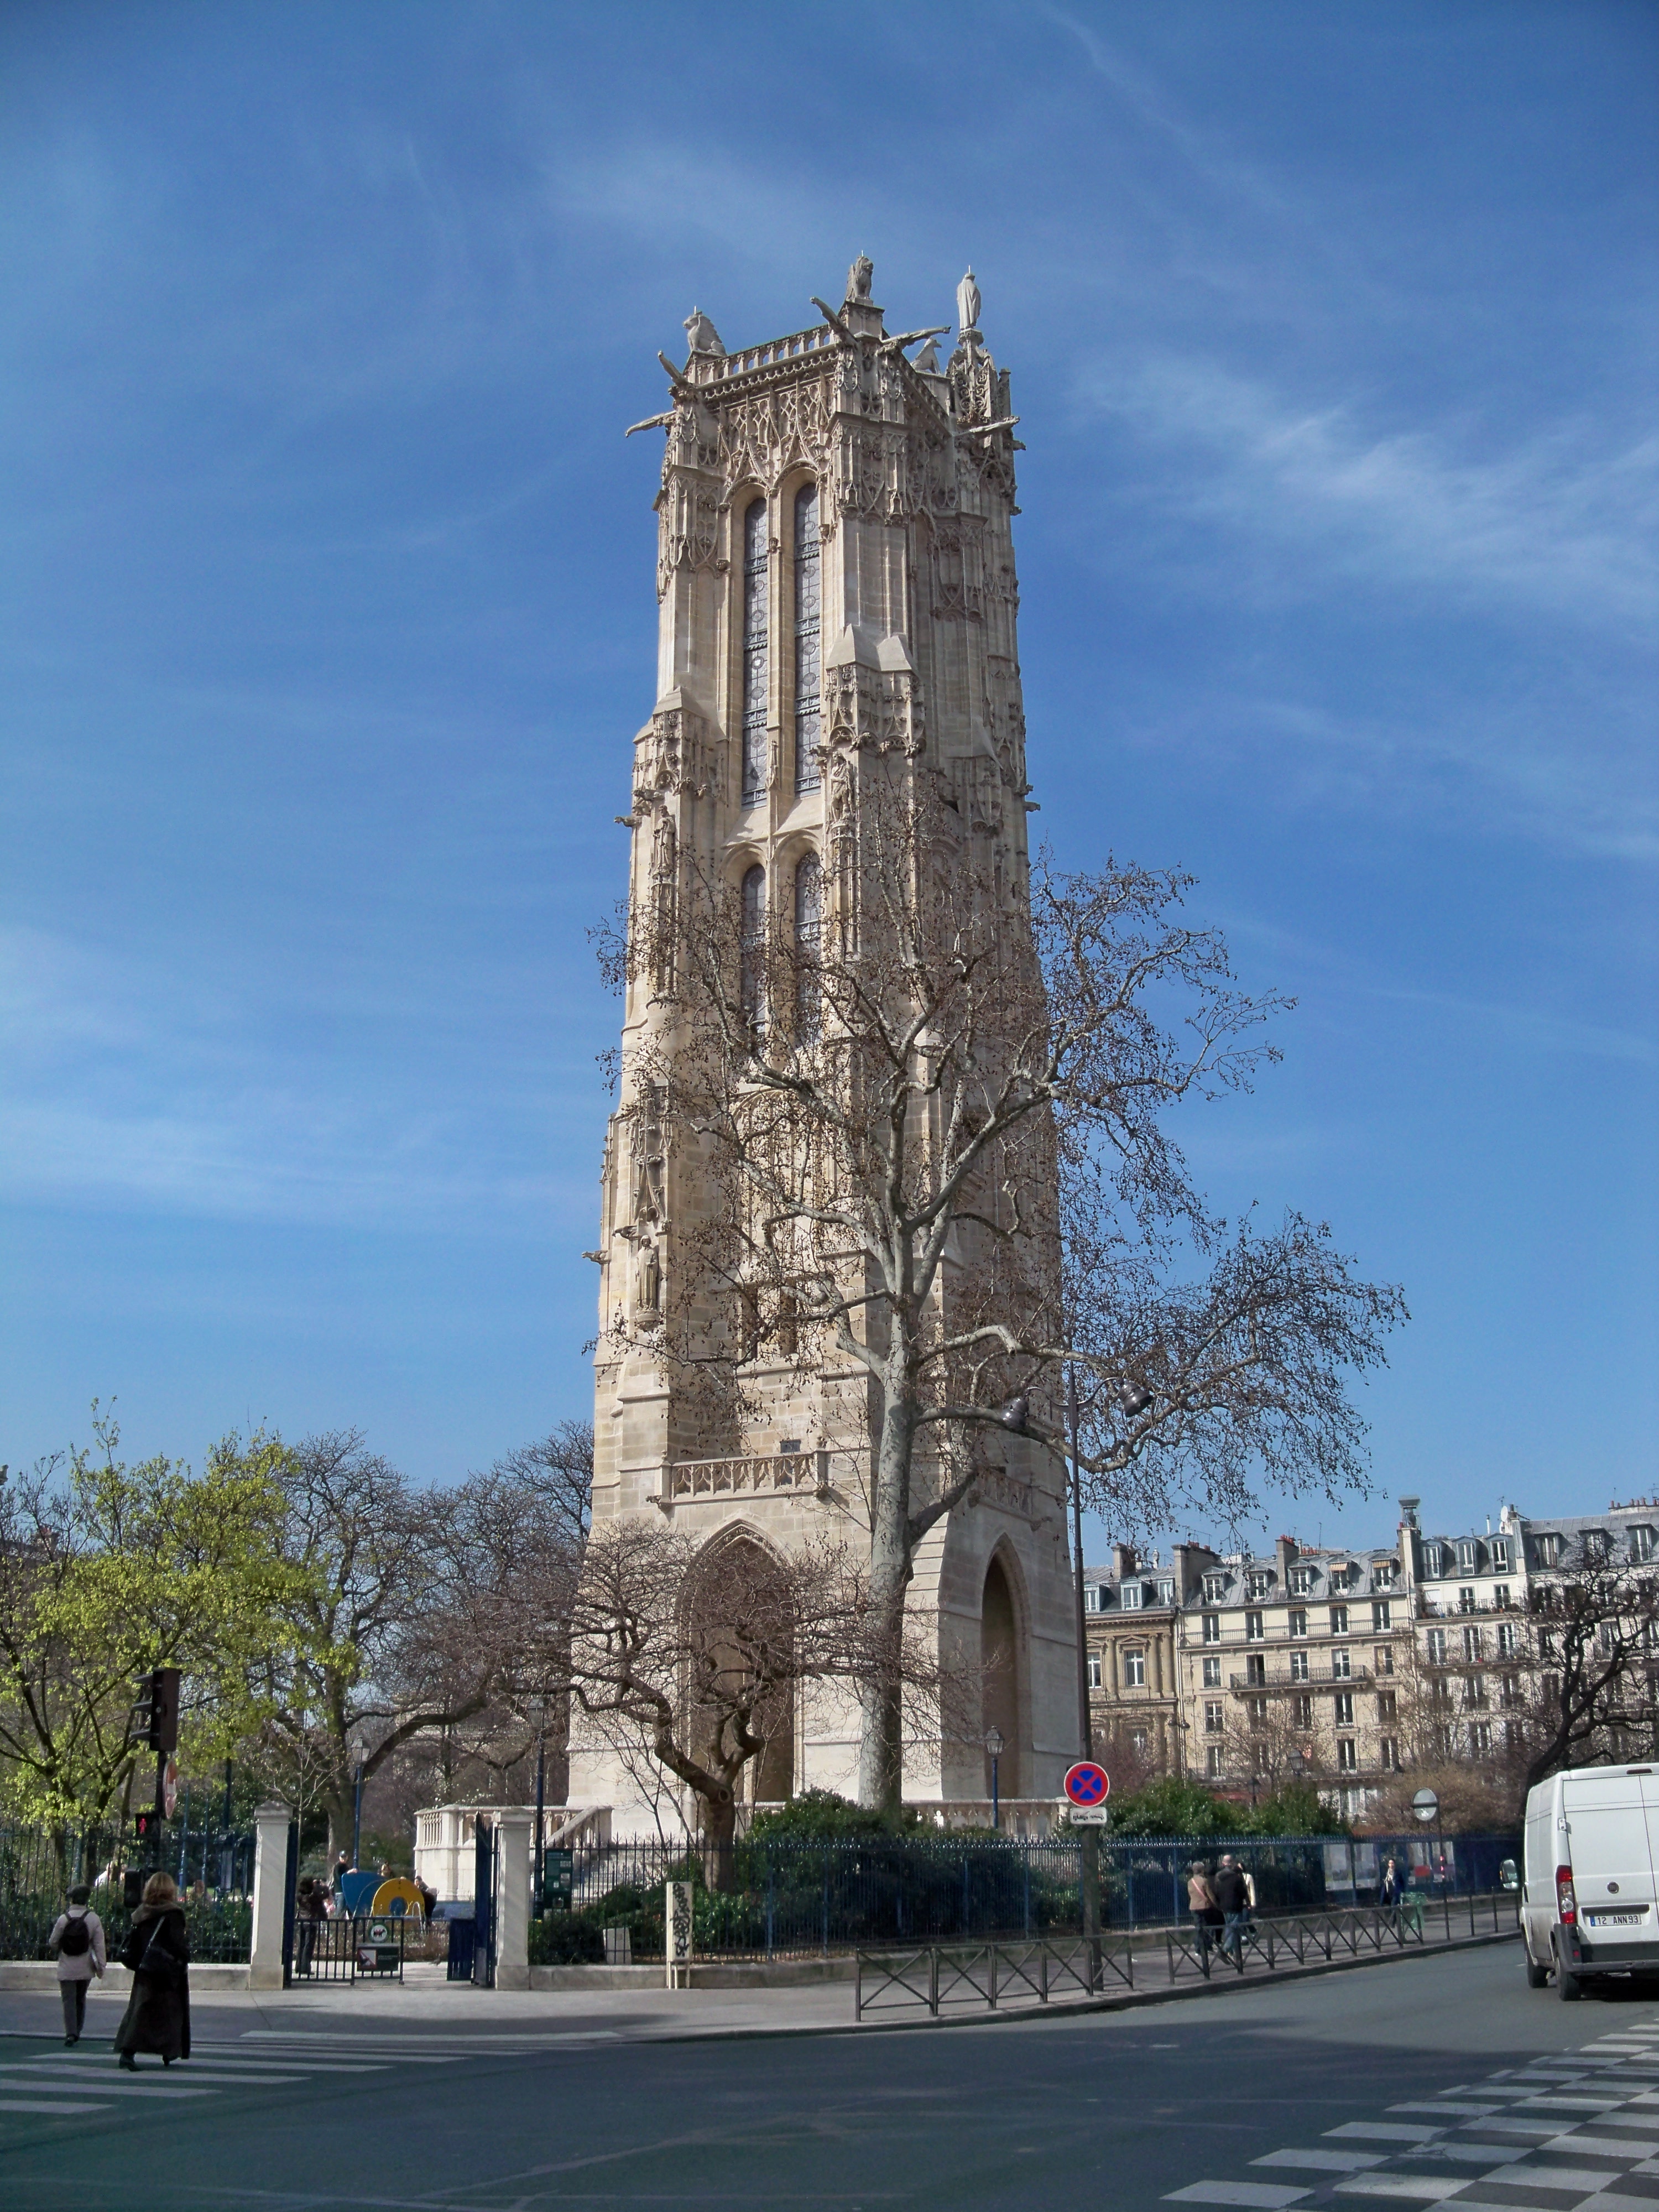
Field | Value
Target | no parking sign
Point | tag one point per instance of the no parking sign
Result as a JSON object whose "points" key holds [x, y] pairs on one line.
{"points": [[1087, 1785]]}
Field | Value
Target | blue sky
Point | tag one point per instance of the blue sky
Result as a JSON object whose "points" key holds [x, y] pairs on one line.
{"points": [[328, 616]]}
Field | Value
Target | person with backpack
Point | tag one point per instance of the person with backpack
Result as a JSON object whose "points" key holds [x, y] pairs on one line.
{"points": [[77, 1937], [157, 1954]]}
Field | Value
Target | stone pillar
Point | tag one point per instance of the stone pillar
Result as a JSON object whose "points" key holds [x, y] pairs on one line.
{"points": [[513, 1826], [265, 1970]]}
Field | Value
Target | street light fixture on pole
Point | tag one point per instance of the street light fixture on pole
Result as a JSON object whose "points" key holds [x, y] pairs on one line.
{"points": [[537, 1712], [993, 1745]]}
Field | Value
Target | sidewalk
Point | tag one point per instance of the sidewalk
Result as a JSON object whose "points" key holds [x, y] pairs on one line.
{"points": [[503, 2020]]}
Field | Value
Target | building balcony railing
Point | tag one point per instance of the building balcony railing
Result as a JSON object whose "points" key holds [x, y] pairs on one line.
{"points": [[1283, 1682], [749, 1474]]}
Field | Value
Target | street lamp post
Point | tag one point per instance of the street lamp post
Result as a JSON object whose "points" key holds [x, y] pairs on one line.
{"points": [[357, 1818], [993, 1745], [538, 1721]]}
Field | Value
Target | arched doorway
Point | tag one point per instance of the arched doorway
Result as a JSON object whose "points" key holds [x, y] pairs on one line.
{"points": [[998, 1658], [737, 1596]]}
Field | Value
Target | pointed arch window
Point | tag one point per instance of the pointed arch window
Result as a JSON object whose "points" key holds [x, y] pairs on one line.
{"points": [[808, 660], [809, 930], [756, 637], [752, 948]]}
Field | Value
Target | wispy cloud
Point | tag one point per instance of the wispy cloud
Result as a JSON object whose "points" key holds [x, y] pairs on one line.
{"points": [[1561, 521]]}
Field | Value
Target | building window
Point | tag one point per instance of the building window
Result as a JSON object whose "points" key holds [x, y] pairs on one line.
{"points": [[1508, 1639], [1341, 1666], [1094, 1597], [1388, 1753], [1343, 1702], [1642, 1545], [756, 627], [1298, 1666], [1500, 1595], [1548, 1549], [1468, 1556], [1465, 1600], [1348, 1755], [1212, 1628], [1128, 1597], [1213, 1768], [1298, 1621], [1383, 1658], [807, 709], [1480, 1739], [1258, 1584], [1500, 1555], [1166, 1592], [1436, 1647], [1255, 1670], [1385, 1576], [1302, 1580], [1388, 1705], [1302, 1713], [1212, 1673], [1215, 1588], [1381, 1616], [752, 955], [1474, 1691], [1134, 1670], [1214, 1717], [809, 930], [1096, 1679], [1508, 1691], [1597, 1545], [1258, 1711], [1254, 1631], [1471, 1643], [1338, 1620], [1139, 1740]]}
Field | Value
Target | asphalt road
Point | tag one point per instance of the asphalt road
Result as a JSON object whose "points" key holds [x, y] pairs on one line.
{"points": [[1116, 2110]]}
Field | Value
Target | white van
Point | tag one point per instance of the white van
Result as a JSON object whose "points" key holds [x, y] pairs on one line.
{"points": [[1590, 1903]]}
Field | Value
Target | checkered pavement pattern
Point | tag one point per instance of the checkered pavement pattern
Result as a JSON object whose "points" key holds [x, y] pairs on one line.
{"points": [[1578, 2132]]}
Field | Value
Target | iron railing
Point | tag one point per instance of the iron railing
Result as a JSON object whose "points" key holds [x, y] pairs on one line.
{"points": [[1000, 1975], [372, 1946], [213, 1869], [791, 1898]]}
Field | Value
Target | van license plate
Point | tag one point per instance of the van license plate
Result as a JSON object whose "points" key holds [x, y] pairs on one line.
{"points": [[1616, 1919]]}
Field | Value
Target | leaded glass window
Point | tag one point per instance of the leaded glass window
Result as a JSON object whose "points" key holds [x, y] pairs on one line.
{"points": [[807, 657], [809, 929], [753, 949], [756, 630]]}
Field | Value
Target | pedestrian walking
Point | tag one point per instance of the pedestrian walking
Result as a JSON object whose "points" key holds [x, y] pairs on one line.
{"points": [[157, 1951], [1389, 1897], [310, 1906], [1231, 1887], [77, 1937], [1201, 1899]]}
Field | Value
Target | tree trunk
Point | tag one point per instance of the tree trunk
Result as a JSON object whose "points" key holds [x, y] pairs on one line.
{"points": [[881, 1752], [719, 1837]]}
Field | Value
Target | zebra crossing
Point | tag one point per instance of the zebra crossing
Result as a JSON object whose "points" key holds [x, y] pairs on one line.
{"points": [[85, 2084], [1574, 2132]]}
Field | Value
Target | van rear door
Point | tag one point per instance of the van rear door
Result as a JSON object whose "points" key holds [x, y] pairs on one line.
{"points": [[1613, 1825]]}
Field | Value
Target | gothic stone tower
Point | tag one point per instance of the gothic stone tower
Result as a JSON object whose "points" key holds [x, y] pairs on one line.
{"points": [[835, 572]]}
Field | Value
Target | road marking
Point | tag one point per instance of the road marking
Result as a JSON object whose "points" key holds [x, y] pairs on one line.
{"points": [[1325, 2161], [1385, 2131], [1542, 2129], [1473, 2153], [1427, 2188], [41, 2104], [1441, 2105], [1557, 2177], [1235, 2192]]}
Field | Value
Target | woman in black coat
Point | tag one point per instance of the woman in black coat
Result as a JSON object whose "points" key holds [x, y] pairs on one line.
{"points": [[157, 1949]]}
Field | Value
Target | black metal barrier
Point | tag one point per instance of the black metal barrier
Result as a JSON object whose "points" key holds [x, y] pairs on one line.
{"points": [[994, 1975], [370, 1948]]}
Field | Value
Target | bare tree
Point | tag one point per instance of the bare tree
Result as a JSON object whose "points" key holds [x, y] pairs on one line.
{"points": [[936, 1156], [699, 1654], [1593, 1628]]}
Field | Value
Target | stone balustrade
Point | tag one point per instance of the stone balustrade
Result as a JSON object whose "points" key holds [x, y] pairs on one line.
{"points": [[749, 1474]]}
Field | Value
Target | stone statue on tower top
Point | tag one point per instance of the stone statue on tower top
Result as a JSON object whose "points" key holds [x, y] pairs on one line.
{"points": [[968, 304]]}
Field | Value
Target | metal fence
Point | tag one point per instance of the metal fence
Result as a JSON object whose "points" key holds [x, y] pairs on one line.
{"points": [[39, 1867], [768, 1900], [372, 1946], [996, 1976]]}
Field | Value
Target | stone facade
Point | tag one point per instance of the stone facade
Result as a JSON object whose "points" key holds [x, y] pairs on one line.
{"points": [[837, 591]]}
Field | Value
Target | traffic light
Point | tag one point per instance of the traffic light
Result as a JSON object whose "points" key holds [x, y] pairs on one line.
{"points": [[144, 1823], [156, 1710]]}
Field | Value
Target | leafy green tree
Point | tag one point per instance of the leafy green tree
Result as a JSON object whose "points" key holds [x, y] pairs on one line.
{"points": [[109, 1570], [1173, 1806]]}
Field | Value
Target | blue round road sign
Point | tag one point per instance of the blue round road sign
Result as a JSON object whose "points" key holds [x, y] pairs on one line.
{"points": [[1087, 1784]]}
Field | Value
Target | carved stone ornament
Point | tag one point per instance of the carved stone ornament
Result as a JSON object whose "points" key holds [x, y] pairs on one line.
{"points": [[773, 431], [968, 303], [877, 710], [701, 334], [677, 752], [860, 278]]}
